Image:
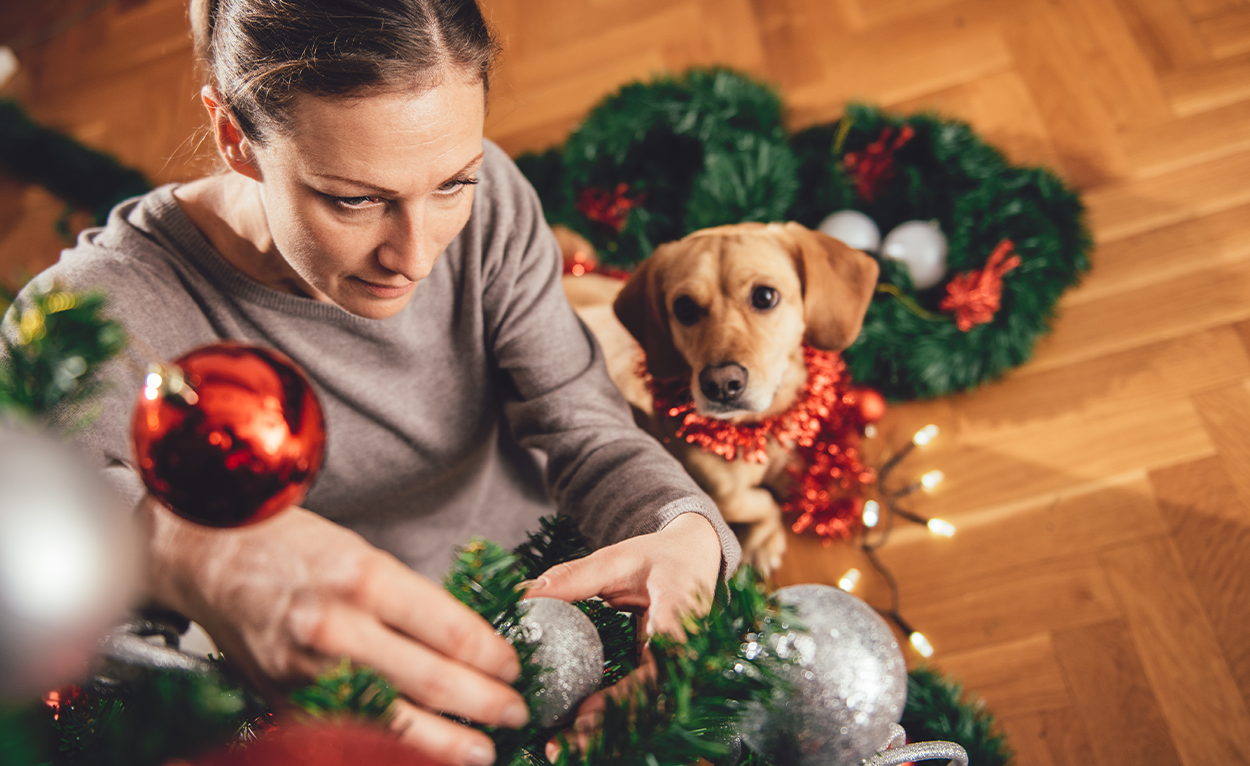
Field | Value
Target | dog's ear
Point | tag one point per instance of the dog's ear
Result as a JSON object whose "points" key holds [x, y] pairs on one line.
{"points": [[640, 307], [838, 284]]}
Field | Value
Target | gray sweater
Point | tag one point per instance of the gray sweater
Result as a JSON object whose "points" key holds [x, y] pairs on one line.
{"points": [[464, 415]]}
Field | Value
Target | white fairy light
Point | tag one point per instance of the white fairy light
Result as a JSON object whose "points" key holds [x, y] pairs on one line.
{"points": [[921, 643], [872, 513], [932, 479], [849, 580], [925, 435], [941, 527]]}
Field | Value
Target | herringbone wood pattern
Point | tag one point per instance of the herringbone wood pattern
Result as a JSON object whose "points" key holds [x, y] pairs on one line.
{"points": [[1096, 594]]}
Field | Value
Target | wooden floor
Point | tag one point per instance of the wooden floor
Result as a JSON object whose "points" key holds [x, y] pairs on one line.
{"points": [[1096, 593]]}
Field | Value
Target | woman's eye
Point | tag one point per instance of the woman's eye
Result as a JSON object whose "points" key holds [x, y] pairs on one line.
{"points": [[764, 298], [356, 203], [456, 186], [686, 310]]}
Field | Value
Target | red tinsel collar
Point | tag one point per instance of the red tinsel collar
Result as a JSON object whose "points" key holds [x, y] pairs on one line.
{"points": [[822, 429]]}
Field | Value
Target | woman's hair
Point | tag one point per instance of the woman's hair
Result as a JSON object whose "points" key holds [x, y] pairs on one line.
{"points": [[261, 54]]}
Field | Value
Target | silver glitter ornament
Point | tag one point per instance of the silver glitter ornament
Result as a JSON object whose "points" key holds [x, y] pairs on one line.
{"points": [[570, 650], [850, 684]]}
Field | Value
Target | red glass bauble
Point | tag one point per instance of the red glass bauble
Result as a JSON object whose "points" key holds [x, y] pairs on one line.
{"points": [[240, 441], [868, 404]]}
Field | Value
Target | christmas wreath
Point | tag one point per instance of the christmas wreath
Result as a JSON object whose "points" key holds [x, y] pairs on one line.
{"points": [[656, 161]]}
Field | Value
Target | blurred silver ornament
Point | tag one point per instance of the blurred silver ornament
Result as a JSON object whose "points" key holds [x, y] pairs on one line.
{"points": [[570, 650], [69, 562], [921, 246], [854, 229], [849, 679]]}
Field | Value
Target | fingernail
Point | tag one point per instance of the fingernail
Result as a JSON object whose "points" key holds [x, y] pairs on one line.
{"points": [[510, 671], [515, 715], [553, 752], [538, 582], [479, 755]]}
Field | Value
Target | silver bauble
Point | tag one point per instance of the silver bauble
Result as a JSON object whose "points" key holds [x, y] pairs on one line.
{"points": [[921, 246], [854, 229], [570, 650], [850, 684], [68, 562]]}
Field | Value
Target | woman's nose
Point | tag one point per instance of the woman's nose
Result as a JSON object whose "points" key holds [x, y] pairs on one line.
{"points": [[406, 249]]}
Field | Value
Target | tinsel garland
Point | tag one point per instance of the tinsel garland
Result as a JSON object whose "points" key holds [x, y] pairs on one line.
{"points": [[709, 147], [822, 430]]}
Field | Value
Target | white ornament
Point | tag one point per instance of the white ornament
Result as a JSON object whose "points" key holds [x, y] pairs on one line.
{"points": [[921, 246], [853, 228], [68, 562]]}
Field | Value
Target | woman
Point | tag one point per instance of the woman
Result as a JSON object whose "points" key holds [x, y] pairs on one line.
{"points": [[366, 229]]}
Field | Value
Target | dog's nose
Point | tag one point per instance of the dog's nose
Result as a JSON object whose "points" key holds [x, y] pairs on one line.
{"points": [[723, 382]]}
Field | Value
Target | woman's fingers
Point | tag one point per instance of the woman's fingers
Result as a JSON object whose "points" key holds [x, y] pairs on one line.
{"points": [[426, 676], [615, 574], [422, 609], [441, 739]]}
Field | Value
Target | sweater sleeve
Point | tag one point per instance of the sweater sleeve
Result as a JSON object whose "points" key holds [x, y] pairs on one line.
{"points": [[601, 468]]}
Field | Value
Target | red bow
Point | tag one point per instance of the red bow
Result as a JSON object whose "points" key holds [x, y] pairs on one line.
{"points": [[608, 207], [875, 164], [975, 296]]}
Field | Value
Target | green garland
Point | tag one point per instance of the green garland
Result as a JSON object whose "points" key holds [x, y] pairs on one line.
{"points": [[708, 148], [691, 711], [85, 178]]}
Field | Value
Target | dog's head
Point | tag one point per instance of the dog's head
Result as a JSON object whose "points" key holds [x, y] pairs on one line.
{"points": [[731, 306]]}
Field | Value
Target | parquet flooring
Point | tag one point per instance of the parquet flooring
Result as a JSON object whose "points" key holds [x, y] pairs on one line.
{"points": [[1096, 593]]}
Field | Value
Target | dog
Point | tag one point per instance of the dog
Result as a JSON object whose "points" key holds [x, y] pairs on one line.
{"points": [[729, 309]]}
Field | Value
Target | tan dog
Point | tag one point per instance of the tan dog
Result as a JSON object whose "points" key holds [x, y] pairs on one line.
{"points": [[731, 307]]}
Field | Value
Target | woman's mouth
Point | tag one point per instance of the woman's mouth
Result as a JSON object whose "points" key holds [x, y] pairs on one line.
{"points": [[383, 290]]}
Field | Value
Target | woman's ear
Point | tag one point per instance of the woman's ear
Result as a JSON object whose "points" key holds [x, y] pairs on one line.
{"points": [[838, 285], [640, 307], [232, 145]]}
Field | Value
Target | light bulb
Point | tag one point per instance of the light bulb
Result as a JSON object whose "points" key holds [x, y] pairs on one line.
{"points": [[872, 513], [870, 430], [921, 643], [925, 435], [849, 580], [932, 479], [941, 527]]}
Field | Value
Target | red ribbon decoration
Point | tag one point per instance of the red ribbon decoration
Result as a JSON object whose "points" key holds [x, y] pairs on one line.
{"points": [[875, 164], [976, 296], [822, 429], [608, 207]]}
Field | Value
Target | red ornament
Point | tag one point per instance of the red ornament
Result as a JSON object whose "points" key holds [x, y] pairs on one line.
{"points": [[608, 207], [975, 296], [875, 164], [229, 435], [869, 406], [822, 429], [328, 744]]}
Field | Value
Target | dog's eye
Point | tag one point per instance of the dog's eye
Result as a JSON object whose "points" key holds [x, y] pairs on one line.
{"points": [[764, 297], [686, 310]]}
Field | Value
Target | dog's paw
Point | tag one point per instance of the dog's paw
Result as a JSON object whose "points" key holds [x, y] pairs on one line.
{"points": [[764, 545]]}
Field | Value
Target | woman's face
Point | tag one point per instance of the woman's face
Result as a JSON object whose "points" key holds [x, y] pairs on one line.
{"points": [[363, 195]]}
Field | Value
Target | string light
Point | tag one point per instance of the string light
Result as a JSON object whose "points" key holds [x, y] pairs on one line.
{"points": [[925, 435], [849, 580], [941, 527], [921, 643], [932, 479], [872, 513], [870, 430]]}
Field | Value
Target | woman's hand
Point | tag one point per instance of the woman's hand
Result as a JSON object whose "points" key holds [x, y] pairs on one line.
{"points": [[287, 597], [665, 575]]}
